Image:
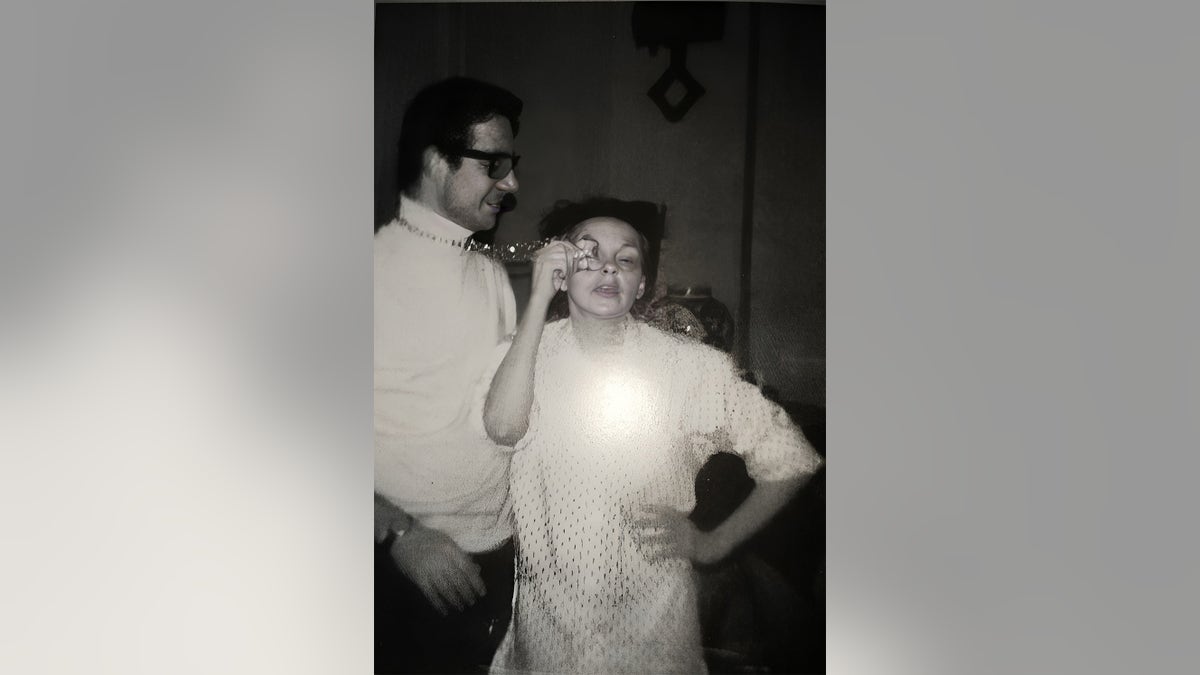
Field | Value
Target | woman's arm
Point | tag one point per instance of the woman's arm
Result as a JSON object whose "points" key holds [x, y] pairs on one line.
{"points": [[778, 458], [667, 532], [763, 502], [510, 397]]}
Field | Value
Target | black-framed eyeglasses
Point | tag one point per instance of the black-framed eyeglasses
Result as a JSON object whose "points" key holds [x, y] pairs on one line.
{"points": [[499, 163], [589, 260]]}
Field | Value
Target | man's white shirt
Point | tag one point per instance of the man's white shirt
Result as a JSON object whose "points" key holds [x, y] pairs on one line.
{"points": [[439, 314]]}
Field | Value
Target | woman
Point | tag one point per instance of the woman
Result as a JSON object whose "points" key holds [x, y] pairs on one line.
{"points": [[611, 419]]}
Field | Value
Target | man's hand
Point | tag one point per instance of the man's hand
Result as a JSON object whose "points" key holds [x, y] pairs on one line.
{"points": [[443, 571]]}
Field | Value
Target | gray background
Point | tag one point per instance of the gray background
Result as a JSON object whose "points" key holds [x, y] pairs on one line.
{"points": [[185, 357]]}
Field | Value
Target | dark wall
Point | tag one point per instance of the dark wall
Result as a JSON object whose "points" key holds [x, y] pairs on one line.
{"points": [[589, 127], [787, 308]]}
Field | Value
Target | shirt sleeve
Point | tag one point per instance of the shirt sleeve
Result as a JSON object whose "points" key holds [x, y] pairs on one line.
{"points": [[731, 414]]}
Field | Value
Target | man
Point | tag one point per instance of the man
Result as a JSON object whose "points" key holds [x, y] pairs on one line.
{"points": [[444, 563]]}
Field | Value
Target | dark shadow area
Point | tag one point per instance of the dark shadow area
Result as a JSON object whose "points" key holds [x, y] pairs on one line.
{"points": [[763, 609]]}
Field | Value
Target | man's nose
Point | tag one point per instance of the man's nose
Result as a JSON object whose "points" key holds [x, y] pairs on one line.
{"points": [[509, 183]]}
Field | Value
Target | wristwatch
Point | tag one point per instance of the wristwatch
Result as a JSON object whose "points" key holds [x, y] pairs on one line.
{"points": [[397, 528], [395, 531]]}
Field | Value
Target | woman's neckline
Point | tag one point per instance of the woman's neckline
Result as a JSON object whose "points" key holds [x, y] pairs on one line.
{"points": [[601, 337]]}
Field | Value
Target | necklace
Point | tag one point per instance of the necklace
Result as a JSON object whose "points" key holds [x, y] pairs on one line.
{"points": [[465, 244], [517, 252]]}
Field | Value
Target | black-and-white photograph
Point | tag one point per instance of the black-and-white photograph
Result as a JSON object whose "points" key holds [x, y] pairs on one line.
{"points": [[599, 352], [631, 265]]}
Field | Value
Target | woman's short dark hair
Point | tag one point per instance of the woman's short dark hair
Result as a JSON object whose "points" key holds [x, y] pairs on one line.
{"points": [[646, 218], [442, 114]]}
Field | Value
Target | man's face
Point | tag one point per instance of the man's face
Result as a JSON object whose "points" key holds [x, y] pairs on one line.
{"points": [[467, 195]]}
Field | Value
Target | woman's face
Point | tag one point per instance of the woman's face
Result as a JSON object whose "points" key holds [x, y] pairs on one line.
{"points": [[609, 290]]}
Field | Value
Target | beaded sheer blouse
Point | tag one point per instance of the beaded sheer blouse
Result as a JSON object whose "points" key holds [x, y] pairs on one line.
{"points": [[654, 409]]}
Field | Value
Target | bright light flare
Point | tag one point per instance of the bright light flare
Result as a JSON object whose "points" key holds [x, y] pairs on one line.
{"points": [[620, 410]]}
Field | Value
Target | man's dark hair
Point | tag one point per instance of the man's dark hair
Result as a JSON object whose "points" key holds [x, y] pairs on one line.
{"points": [[442, 114], [647, 218]]}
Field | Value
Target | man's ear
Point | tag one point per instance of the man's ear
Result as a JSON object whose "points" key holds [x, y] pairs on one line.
{"points": [[641, 287], [433, 164]]}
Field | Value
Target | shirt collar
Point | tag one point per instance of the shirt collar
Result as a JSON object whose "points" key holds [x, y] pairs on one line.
{"points": [[425, 219]]}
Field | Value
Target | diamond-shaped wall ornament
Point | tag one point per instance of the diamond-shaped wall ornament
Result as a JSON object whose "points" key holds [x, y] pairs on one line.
{"points": [[676, 73], [674, 25]]}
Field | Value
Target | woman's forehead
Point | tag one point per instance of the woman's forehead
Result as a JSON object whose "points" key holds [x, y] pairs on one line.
{"points": [[607, 228]]}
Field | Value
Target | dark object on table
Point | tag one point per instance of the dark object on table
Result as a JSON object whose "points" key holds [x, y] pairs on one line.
{"points": [[714, 316]]}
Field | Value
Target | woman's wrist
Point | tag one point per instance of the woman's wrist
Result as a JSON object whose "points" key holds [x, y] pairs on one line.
{"points": [[535, 314], [541, 300], [711, 547]]}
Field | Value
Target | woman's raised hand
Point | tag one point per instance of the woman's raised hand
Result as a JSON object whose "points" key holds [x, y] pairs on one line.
{"points": [[552, 267]]}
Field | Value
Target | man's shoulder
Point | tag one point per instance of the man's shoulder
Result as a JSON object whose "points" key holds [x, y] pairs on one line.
{"points": [[394, 243], [387, 237]]}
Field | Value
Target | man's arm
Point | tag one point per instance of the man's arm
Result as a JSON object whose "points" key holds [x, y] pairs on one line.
{"points": [[389, 518], [443, 572]]}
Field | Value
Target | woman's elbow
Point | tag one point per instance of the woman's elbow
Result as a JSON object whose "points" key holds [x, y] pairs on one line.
{"points": [[506, 434]]}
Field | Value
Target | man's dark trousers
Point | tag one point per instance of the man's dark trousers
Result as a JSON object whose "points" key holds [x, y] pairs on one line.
{"points": [[413, 637]]}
